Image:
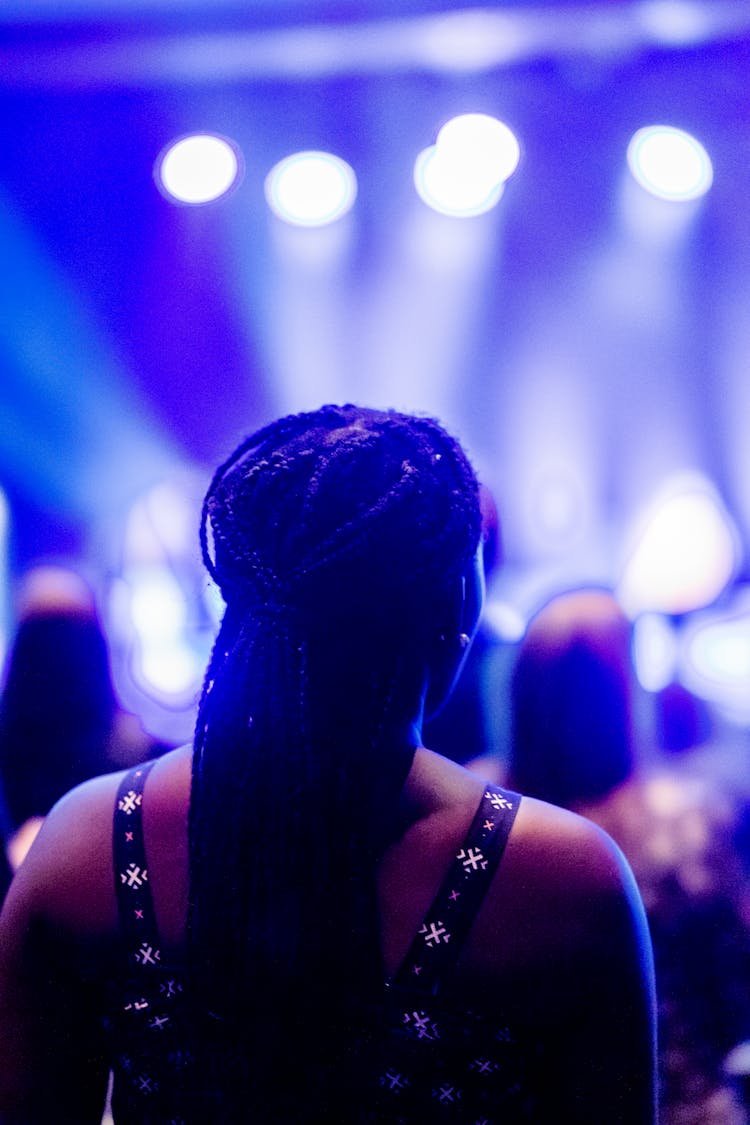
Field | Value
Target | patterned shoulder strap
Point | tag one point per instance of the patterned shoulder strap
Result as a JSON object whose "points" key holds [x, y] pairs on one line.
{"points": [[134, 901], [438, 941]]}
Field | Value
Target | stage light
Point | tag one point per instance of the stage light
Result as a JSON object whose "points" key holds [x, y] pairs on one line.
{"points": [[487, 145], [198, 169], [669, 163], [464, 172], [450, 189], [311, 189], [685, 554]]}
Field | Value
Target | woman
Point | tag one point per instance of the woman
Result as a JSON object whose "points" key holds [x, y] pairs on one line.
{"points": [[60, 721], [574, 721], [319, 925]]}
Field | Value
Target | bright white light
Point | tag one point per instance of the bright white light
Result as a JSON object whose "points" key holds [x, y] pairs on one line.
{"points": [[654, 651], [716, 656], [483, 143], [198, 169], [465, 171], [169, 668], [163, 660], [310, 189], [723, 652], [686, 554], [157, 605], [504, 620], [451, 189], [669, 163]]}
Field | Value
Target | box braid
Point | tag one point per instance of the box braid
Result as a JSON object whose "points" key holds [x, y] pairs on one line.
{"points": [[334, 537]]}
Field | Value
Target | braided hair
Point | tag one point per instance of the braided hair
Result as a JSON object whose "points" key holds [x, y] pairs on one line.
{"points": [[334, 537]]}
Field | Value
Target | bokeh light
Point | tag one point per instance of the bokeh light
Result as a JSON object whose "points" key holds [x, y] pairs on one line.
{"points": [[655, 651], [481, 142], [464, 172], [311, 189], [198, 169], [669, 163], [686, 553], [716, 656]]}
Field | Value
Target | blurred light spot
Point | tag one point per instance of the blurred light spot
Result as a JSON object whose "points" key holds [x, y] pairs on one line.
{"points": [[686, 553], [674, 21], [487, 145], [452, 190], [157, 604], [163, 661], [716, 657], [311, 189], [654, 651], [464, 172], [722, 652], [504, 620], [669, 163], [472, 40], [170, 511], [198, 169], [168, 668], [666, 796], [159, 612]]}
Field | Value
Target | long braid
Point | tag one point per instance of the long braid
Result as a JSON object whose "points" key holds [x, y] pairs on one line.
{"points": [[334, 535]]}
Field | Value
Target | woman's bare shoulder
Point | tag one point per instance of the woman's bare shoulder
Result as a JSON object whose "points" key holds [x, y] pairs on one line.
{"points": [[67, 876], [563, 892], [550, 846]]}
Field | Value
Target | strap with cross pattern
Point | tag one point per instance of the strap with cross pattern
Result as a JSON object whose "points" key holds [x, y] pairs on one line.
{"points": [[134, 900], [446, 925]]}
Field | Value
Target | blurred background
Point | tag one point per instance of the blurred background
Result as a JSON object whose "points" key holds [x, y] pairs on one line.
{"points": [[567, 291]]}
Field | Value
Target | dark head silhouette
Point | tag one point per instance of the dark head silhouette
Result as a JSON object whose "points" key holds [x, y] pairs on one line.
{"points": [[571, 701], [58, 702], [339, 539]]}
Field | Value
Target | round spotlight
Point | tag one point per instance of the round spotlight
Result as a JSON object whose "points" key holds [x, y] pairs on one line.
{"points": [[311, 189], [198, 169], [452, 188], [482, 143], [464, 172], [669, 163]]}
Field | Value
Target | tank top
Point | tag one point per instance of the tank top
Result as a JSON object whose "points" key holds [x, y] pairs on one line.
{"points": [[441, 1062]]}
